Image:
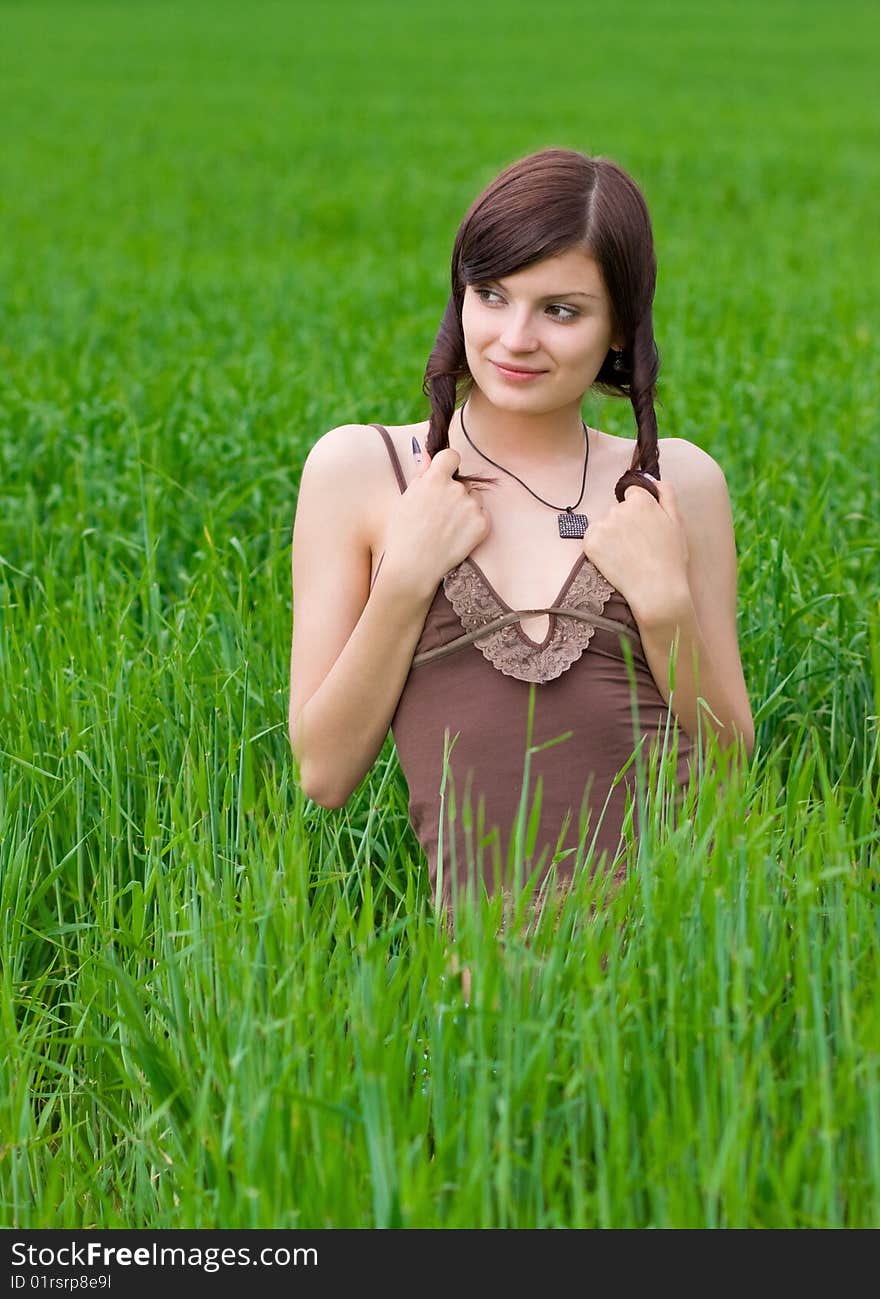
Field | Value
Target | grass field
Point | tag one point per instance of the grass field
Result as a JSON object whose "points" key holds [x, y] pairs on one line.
{"points": [[226, 229]]}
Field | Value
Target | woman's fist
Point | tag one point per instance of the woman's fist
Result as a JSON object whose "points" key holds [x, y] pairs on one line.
{"points": [[436, 524], [640, 546]]}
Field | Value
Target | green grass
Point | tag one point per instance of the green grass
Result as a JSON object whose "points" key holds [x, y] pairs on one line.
{"points": [[225, 231]]}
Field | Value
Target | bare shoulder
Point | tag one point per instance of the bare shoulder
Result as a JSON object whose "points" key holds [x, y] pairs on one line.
{"points": [[700, 487], [361, 447], [342, 467], [348, 468], [346, 450], [703, 503], [688, 467]]}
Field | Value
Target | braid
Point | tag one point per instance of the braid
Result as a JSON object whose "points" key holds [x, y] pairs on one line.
{"points": [[642, 390], [446, 372], [445, 364]]}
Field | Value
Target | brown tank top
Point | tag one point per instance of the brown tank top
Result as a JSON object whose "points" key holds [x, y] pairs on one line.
{"points": [[462, 721]]}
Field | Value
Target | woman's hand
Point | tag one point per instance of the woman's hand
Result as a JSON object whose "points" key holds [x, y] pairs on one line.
{"points": [[434, 525], [640, 546]]}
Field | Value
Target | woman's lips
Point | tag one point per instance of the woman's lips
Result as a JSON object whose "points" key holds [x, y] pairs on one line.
{"points": [[517, 376]]}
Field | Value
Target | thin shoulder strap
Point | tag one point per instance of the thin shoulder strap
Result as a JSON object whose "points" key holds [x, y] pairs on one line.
{"points": [[401, 480]]}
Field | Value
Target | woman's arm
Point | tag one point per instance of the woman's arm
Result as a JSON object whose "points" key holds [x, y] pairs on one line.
{"points": [[697, 620], [352, 648], [674, 561]]}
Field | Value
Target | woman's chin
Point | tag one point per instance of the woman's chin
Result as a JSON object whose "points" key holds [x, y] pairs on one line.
{"points": [[538, 397], [501, 391]]}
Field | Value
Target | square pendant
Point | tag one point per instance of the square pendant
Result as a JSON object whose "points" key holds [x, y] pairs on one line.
{"points": [[572, 525]]}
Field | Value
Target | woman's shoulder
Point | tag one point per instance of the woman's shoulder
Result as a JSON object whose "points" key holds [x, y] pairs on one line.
{"points": [[692, 471], [349, 468], [701, 492], [689, 468], [359, 448]]}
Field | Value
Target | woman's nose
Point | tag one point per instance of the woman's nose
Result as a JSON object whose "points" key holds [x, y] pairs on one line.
{"points": [[518, 334]]}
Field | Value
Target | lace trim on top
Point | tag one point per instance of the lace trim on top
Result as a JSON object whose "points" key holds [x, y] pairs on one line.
{"points": [[505, 648]]}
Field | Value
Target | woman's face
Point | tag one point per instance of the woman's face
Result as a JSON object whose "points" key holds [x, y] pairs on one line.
{"points": [[552, 320]]}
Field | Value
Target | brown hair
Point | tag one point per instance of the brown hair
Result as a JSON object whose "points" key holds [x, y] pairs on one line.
{"points": [[541, 206]]}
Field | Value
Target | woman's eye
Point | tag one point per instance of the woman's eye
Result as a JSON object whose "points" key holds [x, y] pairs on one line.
{"points": [[558, 310], [569, 312]]}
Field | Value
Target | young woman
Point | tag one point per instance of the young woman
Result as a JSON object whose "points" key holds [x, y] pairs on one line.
{"points": [[502, 564]]}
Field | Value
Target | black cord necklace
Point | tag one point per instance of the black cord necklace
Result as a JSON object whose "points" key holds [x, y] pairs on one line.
{"points": [[570, 524]]}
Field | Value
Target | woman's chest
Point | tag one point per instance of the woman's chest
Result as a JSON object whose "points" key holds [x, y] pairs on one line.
{"points": [[524, 561]]}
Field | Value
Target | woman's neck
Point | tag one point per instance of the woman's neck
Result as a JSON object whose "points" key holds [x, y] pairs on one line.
{"points": [[518, 440]]}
